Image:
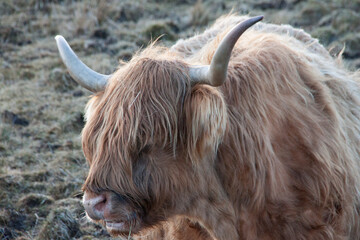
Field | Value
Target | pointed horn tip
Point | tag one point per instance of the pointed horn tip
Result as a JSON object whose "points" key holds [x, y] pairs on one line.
{"points": [[257, 18], [59, 37], [60, 41]]}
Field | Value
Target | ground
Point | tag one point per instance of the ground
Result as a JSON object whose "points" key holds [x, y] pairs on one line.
{"points": [[42, 167]]}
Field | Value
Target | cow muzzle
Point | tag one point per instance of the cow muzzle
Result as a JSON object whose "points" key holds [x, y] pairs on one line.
{"points": [[109, 209]]}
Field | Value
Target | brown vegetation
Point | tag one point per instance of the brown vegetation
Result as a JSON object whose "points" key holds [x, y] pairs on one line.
{"points": [[42, 167]]}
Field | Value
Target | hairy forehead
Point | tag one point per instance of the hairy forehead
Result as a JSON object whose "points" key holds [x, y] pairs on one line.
{"points": [[144, 77], [142, 103]]}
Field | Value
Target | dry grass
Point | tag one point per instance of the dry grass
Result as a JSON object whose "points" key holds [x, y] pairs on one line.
{"points": [[41, 163]]}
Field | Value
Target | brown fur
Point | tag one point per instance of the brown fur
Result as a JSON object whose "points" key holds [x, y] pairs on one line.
{"points": [[271, 154]]}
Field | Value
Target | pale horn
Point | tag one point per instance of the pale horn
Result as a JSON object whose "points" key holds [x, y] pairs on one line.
{"points": [[86, 77], [215, 73]]}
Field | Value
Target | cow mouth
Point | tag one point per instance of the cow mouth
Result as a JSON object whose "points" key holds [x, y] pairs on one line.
{"points": [[115, 227]]}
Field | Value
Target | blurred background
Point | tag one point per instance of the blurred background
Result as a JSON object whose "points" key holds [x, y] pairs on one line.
{"points": [[42, 167]]}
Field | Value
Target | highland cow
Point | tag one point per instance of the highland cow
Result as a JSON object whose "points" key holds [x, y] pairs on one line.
{"points": [[251, 137]]}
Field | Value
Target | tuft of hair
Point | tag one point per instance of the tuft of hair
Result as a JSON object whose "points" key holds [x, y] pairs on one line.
{"points": [[141, 106]]}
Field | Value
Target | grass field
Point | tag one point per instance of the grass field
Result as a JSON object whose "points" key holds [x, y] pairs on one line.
{"points": [[42, 167]]}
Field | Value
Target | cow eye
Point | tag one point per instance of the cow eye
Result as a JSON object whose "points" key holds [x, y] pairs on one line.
{"points": [[145, 150]]}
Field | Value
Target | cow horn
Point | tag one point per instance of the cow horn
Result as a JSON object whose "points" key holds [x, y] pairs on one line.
{"points": [[85, 76], [215, 73]]}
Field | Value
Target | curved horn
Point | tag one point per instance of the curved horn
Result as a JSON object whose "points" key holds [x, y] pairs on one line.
{"points": [[215, 73], [82, 74]]}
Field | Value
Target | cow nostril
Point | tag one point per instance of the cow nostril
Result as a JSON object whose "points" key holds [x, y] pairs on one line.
{"points": [[95, 204], [100, 206]]}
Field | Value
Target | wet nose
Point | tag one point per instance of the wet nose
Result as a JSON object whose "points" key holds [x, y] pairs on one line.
{"points": [[95, 204]]}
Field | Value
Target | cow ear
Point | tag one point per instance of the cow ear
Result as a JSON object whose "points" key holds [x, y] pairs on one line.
{"points": [[206, 121]]}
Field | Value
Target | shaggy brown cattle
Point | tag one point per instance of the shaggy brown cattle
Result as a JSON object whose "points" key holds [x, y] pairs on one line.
{"points": [[262, 146]]}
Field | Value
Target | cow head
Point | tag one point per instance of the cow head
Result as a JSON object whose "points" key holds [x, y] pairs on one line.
{"points": [[152, 131]]}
